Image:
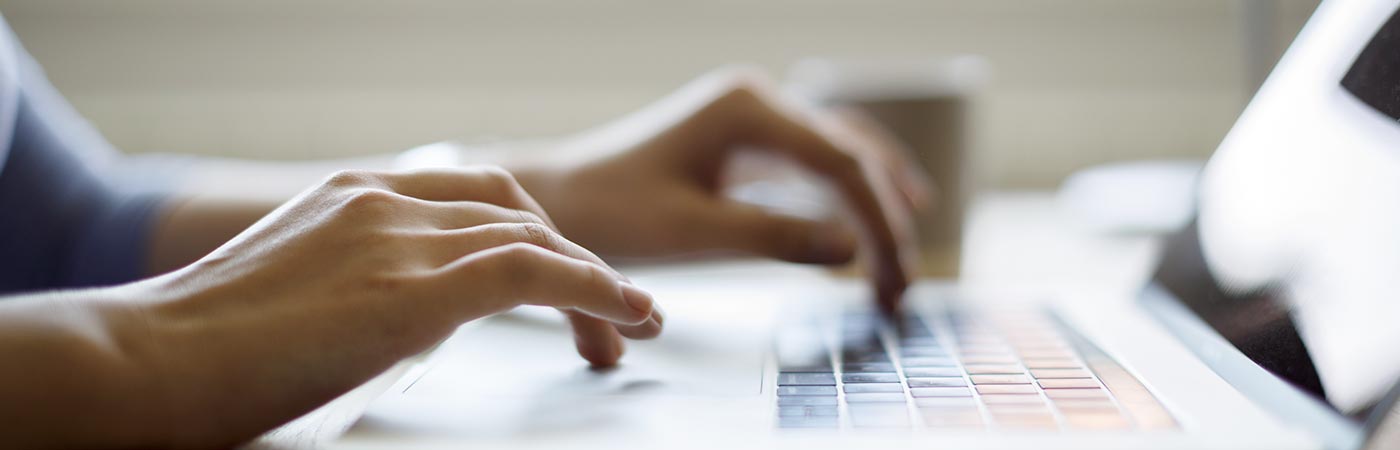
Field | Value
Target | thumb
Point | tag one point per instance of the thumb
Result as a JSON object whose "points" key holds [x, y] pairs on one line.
{"points": [[752, 229]]}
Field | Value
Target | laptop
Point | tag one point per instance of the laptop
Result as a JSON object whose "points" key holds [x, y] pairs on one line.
{"points": [[1267, 323]]}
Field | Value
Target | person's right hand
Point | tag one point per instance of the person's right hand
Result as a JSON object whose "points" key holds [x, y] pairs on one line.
{"points": [[350, 277]]}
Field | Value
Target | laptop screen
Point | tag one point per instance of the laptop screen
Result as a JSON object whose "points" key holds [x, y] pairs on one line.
{"points": [[1294, 256]]}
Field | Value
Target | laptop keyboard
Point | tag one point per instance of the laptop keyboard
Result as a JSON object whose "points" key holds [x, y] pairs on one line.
{"points": [[955, 370]]}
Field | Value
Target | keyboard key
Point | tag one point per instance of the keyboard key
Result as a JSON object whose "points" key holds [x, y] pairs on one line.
{"points": [[940, 392], [919, 341], [1070, 383], [1047, 353], [1012, 408], [1085, 404], [875, 397], [868, 367], [913, 372], [797, 390], [989, 359], [990, 369], [806, 379], [1075, 393], [860, 388], [945, 402], [1060, 373], [809, 411], [924, 351], [973, 349], [1000, 379], [1052, 363], [928, 361], [913, 332], [937, 382], [1012, 389], [808, 422], [870, 377], [806, 401], [1012, 399], [865, 358]]}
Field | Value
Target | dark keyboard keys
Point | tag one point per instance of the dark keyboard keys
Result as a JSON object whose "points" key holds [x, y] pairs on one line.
{"points": [[870, 377], [875, 397], [806, 379], [868, 367], [861, 388], [800, 390]]}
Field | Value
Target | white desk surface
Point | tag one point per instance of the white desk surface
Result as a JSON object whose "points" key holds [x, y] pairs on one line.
{"points": [[1013, 238]]}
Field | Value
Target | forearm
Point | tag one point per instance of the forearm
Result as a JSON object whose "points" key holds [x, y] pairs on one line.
{"points": [[70, 376], [170, 362]]}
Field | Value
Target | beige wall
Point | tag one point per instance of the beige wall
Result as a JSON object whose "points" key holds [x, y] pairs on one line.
{"points": [[1075, 82]]}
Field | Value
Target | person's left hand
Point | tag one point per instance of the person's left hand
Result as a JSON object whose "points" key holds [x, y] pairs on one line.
{"points": [[651, 183]]}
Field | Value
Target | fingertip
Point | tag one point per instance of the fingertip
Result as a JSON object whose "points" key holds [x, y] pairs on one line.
{"points": [[891, 282], [596, 340], [602, 357], [601, 352]]}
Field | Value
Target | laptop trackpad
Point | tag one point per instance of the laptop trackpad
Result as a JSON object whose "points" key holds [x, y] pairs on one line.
{"points": [[530, 353]]}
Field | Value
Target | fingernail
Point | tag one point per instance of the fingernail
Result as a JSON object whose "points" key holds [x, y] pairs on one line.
{"points": [[636, 298], [832, 243], [658, 314]]}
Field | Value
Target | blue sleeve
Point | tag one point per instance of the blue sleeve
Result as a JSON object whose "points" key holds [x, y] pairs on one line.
{"points": [[73, 211]]}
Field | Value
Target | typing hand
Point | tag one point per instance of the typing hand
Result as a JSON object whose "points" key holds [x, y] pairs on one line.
{"points": [[650, 184], [353, 275]]}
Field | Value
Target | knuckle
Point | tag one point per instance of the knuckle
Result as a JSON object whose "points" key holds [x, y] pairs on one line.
{"points": [[529, 217], [598, 277], [497, 179], [351, 178], [370, 200], [743, 91], [497, 185], [518, 261], [537, 234], [741, 76]]}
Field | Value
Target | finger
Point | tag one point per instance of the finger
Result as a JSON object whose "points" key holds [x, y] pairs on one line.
{"points": [[751, 229], [449, 245], [503, 277], [647, 329], [482, 184], [468, 214], [452, 244], [597, 340], [888, 229]]}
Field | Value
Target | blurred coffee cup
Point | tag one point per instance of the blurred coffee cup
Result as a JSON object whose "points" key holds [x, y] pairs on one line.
{"points": [[925, 104]]}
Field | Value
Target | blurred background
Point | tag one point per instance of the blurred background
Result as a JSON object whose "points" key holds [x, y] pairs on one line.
{"points": [[1071, 83]]}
